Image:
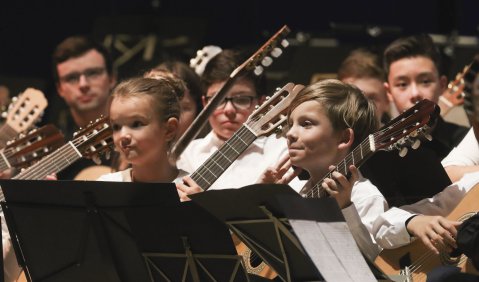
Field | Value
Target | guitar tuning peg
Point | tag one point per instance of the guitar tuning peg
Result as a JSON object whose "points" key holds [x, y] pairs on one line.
{"points": [[428, 136], [4, 115], [276, 52], [14, 99], [258, 70], [96, 159], [256, 107], [267, 98], [107, 155], [416, 144], [403, 152], [284, 43], [267, 61]]}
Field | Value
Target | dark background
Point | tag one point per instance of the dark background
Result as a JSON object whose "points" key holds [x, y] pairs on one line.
{"points": [[30, 30]]}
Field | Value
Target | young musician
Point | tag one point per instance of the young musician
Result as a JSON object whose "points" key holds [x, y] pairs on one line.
{"points": [[246, 93], [326, 121], [413, 67], [144, 115], [190, 103], [362, 68]]}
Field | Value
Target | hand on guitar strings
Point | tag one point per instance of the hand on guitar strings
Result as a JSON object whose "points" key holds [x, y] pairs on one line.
{"points": [[282, 173], [436, 232], [52, 176], [188, 187], [340, 187]]}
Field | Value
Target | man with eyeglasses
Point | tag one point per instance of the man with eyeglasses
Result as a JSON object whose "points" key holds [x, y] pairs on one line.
{"points": [[246, 93], [84, 78]]}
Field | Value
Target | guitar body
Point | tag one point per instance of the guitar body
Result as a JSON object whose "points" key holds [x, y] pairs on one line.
{"points": [[92, 172], [256, 266], [393, 261]]}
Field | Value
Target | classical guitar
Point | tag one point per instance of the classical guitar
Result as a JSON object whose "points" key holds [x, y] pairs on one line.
{"points": [[28, 148], [415, 260], [89, 142], [264, 121], [22, 113], [408, 129], [256, 63]]}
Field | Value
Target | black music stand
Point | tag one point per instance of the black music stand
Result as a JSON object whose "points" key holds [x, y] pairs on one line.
{"points": [[254, 215], [83, 231]]}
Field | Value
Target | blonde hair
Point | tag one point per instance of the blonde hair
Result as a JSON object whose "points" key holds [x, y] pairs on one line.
{"points": [[344, 104]]}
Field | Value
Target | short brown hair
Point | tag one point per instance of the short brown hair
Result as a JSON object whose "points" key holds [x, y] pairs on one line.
{"points": [[361, 63], [344, 104]]}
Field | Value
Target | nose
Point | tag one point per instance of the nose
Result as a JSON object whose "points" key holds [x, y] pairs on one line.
{"points": [[83, 81], [416, 94], [291, 135], [229, 110], [125, 138]]}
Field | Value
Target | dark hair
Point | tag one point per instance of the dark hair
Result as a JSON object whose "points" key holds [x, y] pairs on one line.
{"points": [[220, 67], [344, 104], [76, 46], [361, 63], [185, 73], [412, 46]]}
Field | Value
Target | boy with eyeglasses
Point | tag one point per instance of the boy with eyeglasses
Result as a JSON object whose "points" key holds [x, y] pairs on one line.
{"points": [[247, 92]]}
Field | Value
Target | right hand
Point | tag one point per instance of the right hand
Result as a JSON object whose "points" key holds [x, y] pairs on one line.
{"points": [[281, 173]]}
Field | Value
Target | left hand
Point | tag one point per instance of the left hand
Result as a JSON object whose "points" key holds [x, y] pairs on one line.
{"points": [[340, 187], [188, 187]]}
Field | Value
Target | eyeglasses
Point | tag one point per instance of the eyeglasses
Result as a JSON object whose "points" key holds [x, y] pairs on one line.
{"points": [[90, 74], [239, 102]]}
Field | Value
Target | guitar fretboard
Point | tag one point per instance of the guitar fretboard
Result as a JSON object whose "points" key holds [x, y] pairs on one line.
{"points": [[217, 163], [357, 157], [53, 163]]}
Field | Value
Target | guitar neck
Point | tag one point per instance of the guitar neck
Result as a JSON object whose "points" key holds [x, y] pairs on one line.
{"points": [[4, 163], [217, 163], [7, 133], [53, 163], [200, 121], [357, 157]]}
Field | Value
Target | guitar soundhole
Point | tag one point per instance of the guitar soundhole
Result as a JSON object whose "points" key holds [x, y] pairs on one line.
{"points": [[254, 260]]}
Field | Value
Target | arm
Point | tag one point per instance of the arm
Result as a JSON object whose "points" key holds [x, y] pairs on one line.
{"points": [[462, 159]]}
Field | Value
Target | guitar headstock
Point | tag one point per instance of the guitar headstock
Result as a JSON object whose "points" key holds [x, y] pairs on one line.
{"points": [[262, 58], [95, 139], [202, 58], [272, 113], [25, 109], [407, 129], [454, 94], [34, 145]]}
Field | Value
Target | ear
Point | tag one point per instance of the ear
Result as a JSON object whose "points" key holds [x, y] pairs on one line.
{"points": [[171, 128], [203, 100], [346, 139], [443, 83], [388, 92]]}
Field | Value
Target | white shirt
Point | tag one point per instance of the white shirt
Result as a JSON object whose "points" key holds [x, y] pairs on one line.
{"points": [[125, 176], [245, 170], [368, 204], [465, 154], [389, 229]]}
